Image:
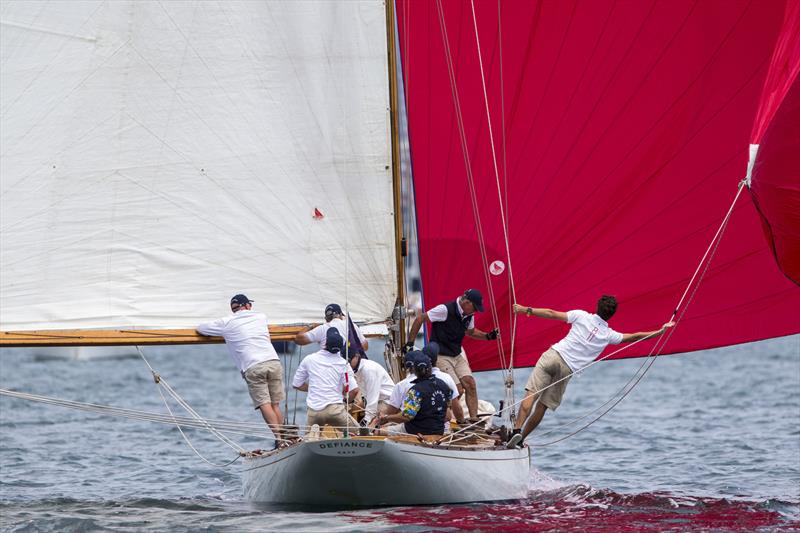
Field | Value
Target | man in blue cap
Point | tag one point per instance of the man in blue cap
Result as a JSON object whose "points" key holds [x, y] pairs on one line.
{"points": [[395, 401], [327, 378], [450, 323], [426, 402], [247, 338], [334, 318]]}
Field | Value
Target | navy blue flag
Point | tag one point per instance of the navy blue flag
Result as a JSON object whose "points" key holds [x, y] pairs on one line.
{"points": [[354, 345]]}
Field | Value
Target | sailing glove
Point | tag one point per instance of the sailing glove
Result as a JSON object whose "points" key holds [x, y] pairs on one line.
{"points": [[408, 347], [492, 335]]}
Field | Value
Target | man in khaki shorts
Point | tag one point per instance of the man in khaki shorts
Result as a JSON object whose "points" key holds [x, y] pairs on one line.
{"points": [[327, 377], [450, 323], [588, 336], [247, 338]]}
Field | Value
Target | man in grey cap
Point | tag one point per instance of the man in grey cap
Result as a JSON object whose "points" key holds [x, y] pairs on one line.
{"points": [[450, 322], [247, 339]]}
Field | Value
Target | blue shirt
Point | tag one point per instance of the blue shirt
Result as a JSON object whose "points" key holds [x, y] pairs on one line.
{"points": [[426, 403]]}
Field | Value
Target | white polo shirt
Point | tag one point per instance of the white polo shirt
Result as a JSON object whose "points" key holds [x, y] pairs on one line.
{"points": [[439, 314], [325, 374], [588, 336], [246, 336], [375, 385], [318, 334]]}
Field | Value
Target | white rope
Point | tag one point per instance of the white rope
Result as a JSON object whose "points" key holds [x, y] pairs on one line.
{"points": [[470, 177]]}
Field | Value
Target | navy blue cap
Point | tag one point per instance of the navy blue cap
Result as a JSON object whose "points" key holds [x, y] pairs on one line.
{"points": [[240, 299], [421, 360], [408, 358], [432, 351], [475, 296], [333, 341], [332, 309]]}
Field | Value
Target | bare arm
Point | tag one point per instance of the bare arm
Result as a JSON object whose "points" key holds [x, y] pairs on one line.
{"points": [[303, 387], [633, 337], [397, 417], [301, 339], [540, 312], [475, 333], [412, 335]]}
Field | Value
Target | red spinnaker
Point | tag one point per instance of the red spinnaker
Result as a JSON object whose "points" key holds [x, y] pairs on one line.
{"points": [[776, 174], [621, 131]]}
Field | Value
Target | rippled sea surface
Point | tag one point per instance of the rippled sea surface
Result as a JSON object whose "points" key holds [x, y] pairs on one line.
{"points": [[706, 441]]}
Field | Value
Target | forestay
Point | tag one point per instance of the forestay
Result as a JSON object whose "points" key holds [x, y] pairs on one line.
{"points": [[158, 157]]}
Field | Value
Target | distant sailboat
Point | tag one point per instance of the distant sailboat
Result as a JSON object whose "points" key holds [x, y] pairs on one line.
{"points": [[158, 157]]}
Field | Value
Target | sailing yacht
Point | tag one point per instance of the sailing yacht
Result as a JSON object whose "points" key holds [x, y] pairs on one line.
{"points": [[158, 157]]}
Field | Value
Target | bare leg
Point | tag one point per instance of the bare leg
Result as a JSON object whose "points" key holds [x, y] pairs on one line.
{"points": [[471, 391], [533, 421], [273, 417], [524, 409], [455, 405]]}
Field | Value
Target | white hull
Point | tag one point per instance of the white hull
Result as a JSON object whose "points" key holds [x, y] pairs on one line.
{"points": [[361, 472]]}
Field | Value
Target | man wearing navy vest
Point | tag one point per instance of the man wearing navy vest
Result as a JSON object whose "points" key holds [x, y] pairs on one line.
{"points": [[450, 322]]}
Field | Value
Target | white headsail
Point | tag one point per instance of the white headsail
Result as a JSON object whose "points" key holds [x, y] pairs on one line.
{"points": [[158, 157]]}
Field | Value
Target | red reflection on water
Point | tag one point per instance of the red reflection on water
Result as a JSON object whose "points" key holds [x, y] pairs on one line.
{"points": [[590, 510]]}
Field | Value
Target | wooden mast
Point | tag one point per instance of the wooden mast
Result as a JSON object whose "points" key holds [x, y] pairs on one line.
{"points": [[399, 240]]}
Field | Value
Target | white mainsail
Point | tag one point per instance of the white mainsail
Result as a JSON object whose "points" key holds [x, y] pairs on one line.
{"points": [[158, 157]]}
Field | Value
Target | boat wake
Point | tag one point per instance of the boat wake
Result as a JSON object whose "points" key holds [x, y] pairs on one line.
{"points": [[552, 506]]}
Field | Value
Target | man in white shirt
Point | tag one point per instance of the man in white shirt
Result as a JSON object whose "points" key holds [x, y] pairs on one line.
{"points": [[334, 318], [588, 336], [395, 402], [247, 338], [327, 377], [374, 383], [450, 322]]}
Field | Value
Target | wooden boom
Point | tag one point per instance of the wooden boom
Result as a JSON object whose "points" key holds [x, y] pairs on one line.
{"points": [[122, 337]]}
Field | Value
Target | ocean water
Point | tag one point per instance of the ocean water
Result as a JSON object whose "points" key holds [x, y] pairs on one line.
{"points": [[706, 441]]}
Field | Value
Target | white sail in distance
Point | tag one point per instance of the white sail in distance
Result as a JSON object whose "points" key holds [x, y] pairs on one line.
{"points": [[159, 157]]}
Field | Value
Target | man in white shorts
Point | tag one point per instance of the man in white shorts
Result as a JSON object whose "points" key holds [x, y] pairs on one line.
{"points": [[588, 336], [450, 322], [247, 338]]}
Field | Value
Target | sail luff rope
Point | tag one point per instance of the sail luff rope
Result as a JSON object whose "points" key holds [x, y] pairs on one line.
{"points": [[509, 378], [470, 178], [503, 220], [512, 316]]}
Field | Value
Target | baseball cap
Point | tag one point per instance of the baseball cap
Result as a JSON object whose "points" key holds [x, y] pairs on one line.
{"points": [[409, 357], [333, 309], [421, 360], [333, 341], [474, 296], [240, 299], [432, 351]]}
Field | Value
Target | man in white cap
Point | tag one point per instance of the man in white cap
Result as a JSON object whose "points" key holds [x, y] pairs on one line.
{"points": [[247, 338], [450, 323]]}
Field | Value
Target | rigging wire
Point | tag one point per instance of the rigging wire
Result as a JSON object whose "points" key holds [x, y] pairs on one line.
{"points": [[469, 174]]}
